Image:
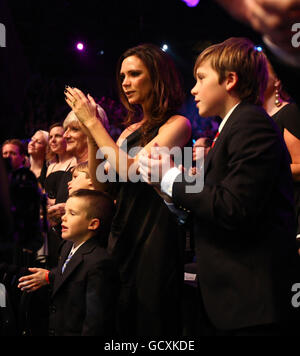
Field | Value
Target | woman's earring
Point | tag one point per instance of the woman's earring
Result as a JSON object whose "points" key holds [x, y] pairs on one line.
{"points": [[278, 101]]}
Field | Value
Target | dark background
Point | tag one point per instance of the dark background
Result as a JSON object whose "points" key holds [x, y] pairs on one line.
{"points": [[40, 56]]}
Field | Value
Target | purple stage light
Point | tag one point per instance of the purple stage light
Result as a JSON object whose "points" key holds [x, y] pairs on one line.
{"points": [[80, 46], [191, 3]]}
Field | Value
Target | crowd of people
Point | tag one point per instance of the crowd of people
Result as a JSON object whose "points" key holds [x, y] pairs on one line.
{"points": [[121, 213]]}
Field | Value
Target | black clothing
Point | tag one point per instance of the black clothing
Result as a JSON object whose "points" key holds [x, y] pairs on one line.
{"points": [[244, 224], [83, 296], [42, 177], [52, 183], [289, 118], [148, 245]]}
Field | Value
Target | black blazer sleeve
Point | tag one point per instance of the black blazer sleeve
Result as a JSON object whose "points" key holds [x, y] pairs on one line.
{"points": [[245, 166]]}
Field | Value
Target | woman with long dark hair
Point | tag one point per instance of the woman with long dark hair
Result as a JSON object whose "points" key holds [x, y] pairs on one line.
{"points": [[145, 239]]}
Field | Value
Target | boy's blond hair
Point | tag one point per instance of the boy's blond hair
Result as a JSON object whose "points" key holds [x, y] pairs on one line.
{"points": [[82, 167], [239, 55]]}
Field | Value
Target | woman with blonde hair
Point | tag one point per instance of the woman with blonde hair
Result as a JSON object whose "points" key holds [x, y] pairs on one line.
{"points": [[37, 150]]}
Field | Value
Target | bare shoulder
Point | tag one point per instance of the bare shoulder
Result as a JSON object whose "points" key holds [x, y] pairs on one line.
{"points": [[50, 168], [175, 132], [177, 122]]}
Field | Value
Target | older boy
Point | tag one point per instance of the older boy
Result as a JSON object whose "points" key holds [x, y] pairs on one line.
{"points": [[84, 282], [244, 225]]}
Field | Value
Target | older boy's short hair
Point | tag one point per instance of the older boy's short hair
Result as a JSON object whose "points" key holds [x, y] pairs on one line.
{"points": [[82, 167], [239, 55], [99, 205]]}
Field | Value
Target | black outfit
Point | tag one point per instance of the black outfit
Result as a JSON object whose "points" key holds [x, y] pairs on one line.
{"points": [[56, 186], [148, 246], [62, 189], [52, 183], [42, 177], [289, 118], [244, 226], [83, 296], [25, 235]]}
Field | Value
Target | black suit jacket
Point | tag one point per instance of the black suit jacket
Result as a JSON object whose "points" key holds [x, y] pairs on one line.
{"points": [[244, 224], [83, 297]]}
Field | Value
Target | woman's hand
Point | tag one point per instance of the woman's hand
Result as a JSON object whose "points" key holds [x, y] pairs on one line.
{"points": [[34, 281], [84, 107], [55, 212], [272, 18]]}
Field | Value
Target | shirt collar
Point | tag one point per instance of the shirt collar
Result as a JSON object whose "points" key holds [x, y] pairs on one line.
{"points": [[223, 122], [74, 249]]}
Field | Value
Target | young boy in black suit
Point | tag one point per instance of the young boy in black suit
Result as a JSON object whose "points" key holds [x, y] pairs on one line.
{"points": [[84, 283], [243, 214]]}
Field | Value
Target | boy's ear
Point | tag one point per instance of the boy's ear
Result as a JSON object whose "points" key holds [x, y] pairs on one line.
{"points": [[94, 224], [231, 80]]}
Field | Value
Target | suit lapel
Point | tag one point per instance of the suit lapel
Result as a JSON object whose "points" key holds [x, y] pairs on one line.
{"points": [[76, 260], [221, 138]]}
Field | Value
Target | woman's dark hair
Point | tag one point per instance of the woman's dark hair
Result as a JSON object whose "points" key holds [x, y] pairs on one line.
{"points": [[167, 95]]}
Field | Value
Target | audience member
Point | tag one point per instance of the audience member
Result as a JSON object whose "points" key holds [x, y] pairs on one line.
{"points": [[144, 240], [60, 160], [84, 284], [243, 215], [76, 145], [15, 151], [287, 115], [80, 178], [37, 149]]}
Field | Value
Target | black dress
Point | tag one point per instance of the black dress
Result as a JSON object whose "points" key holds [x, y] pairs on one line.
{"points": [[42, 177], [56, 187], [52, 183], [148, 246], [289, 118]]}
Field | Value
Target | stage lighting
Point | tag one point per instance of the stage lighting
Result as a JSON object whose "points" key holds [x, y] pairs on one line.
{"points": [[165, 47], [191, 3], [258, 48], [80, 46]]}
